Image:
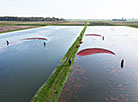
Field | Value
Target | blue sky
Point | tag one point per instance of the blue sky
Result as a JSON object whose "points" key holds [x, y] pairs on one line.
{"points": [[83, 9]]}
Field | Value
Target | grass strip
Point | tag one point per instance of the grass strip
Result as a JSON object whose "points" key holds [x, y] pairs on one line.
{"points": [[133, 26], [51, 89]]}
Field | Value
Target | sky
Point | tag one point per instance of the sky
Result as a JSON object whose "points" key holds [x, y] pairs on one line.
{"points": [[70, 9]]}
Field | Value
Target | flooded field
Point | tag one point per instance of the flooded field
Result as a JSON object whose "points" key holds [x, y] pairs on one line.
{"points": [[105, 68], [28, 57]]}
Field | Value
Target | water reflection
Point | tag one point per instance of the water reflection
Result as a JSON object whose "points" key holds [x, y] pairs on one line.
{"points": [[105, 81], [35, 38], [73, 85], [25, 65], [93, 35], [91, 51]]}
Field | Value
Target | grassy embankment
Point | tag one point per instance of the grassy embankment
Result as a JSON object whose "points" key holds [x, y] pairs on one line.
{"points": [[51, 90]]}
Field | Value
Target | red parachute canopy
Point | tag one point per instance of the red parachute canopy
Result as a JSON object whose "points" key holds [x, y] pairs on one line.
{"points": [[91, 51], [93, 35], [34, 38]]}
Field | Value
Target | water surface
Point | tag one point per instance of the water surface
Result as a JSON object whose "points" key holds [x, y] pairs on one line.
{"points": [[99, 77], [26, 64]]}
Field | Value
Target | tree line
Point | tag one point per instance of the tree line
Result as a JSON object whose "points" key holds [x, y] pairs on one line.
{"points": [[10, 18]]}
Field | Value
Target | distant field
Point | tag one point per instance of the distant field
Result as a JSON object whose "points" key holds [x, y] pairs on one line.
{"points": [[114, 23], [10, 23], [6, 26], [126, 23], [13, 28], [74, 22]]}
